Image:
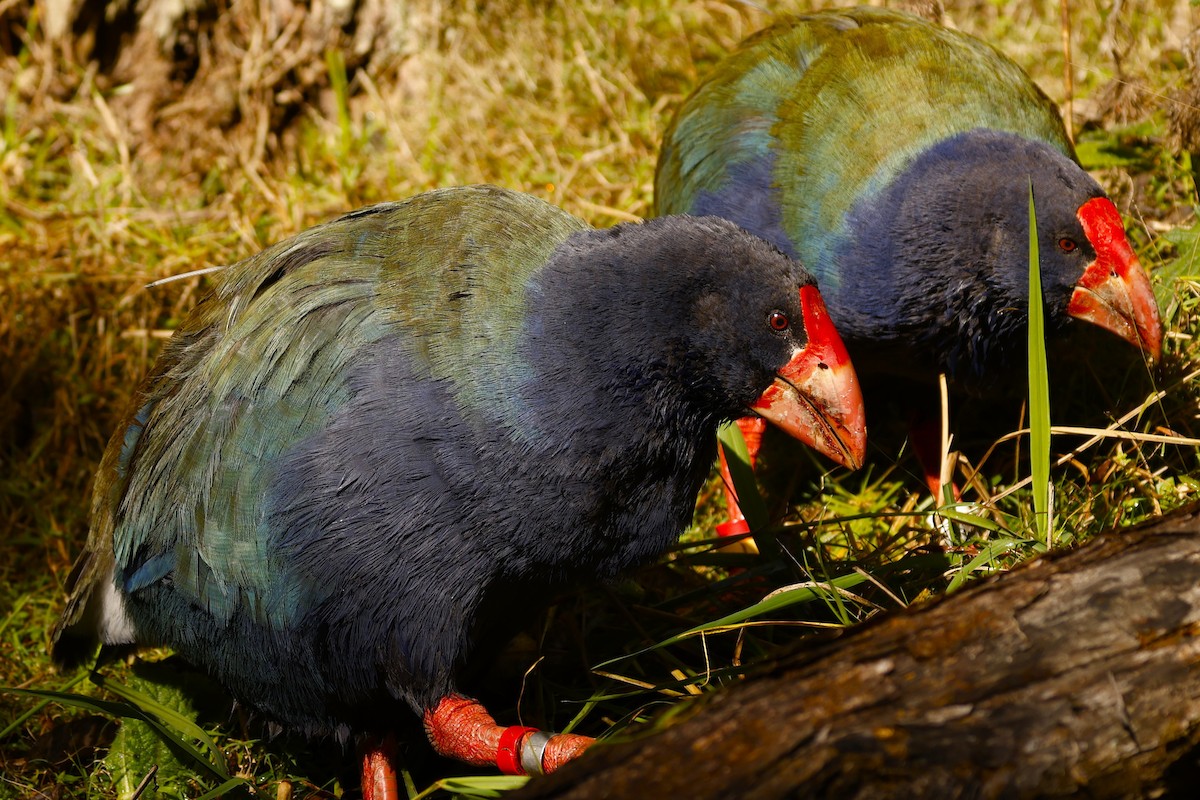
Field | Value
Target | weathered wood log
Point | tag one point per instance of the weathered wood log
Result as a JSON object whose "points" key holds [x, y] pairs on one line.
{"points": [[1075, 675]]}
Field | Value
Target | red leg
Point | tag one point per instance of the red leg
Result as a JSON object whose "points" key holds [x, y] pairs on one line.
{"points": [[461, 728], [925, 435], [752, 431], [378, 771]]}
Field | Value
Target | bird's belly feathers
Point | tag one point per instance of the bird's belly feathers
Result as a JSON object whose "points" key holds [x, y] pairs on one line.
{"points": [[388, 531]]}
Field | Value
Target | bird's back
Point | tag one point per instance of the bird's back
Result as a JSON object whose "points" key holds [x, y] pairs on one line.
{"points": [[820, 110], [266, 363]]}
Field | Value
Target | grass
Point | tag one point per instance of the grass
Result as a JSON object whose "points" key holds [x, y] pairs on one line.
{"points": [[1039, 390], [568, 103]]}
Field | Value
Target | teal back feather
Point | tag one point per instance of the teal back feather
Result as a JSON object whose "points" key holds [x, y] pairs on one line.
{"points": [[262, 362], [842, 102], [465, 321]]}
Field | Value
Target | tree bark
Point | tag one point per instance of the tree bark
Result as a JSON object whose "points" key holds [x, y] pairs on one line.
{"points": [[1077, 674]]}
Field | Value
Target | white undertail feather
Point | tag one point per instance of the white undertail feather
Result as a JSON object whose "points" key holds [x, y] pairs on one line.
{"points": [[113, 625]]}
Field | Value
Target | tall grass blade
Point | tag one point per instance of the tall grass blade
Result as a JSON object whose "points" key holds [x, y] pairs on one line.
{"points": [[45, 701], [225, 788], [991, 552], [774, 602], [737, 457], [335, 63], [171, 736], [1039, 388], [86, 702], [165, 717], [483, 786]]}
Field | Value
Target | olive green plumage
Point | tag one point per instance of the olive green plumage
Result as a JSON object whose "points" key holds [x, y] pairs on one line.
{"points": [[840, 103], [307, 306]]}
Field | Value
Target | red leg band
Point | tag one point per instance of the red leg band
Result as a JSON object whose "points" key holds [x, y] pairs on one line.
{"points": [[508, 752]]}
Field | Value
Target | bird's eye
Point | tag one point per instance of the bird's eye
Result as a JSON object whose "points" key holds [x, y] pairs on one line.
{"points": [[779, 321], [1067, 245]]}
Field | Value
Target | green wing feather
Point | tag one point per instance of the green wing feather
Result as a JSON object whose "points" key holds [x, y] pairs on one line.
{"points": [[262, 363], [463, 301], [254, 370]]}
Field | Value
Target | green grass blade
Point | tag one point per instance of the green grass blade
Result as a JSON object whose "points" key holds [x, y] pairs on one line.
{"points": [[484, 786], [990, 552], [579, 717], [21, 718], [775, 602], [1039, 388], [130, 710], [967, 518], [224, 789], [170, 722], [83, 701], [737, 457], [335, 63]]}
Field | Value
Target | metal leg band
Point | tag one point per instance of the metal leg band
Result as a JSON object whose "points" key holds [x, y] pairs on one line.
{"points": [[532, 751]]}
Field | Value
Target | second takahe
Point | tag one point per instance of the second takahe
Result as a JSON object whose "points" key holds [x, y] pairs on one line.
{"points": [[893, 158]]}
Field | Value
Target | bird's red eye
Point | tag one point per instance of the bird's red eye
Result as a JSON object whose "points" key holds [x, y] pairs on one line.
{"points": [[1067, 245], [779, 321]]}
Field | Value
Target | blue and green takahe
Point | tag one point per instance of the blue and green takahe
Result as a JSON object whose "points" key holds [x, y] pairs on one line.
{"points": [[377, 447], [893, 158]]}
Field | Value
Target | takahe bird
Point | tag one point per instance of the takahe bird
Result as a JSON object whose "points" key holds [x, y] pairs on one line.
{"points": [[893, 158], [376, 448]]}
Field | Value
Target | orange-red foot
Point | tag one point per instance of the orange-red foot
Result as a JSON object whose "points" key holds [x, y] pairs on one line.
{"points": [[925, 436], [461, 728], [378, 770]]}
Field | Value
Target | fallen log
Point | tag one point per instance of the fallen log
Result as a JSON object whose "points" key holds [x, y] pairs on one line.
{"points": [[1077, 674]]}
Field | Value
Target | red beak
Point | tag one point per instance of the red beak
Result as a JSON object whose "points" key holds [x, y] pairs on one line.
{"points": [[1114, 291], [815, 396]]}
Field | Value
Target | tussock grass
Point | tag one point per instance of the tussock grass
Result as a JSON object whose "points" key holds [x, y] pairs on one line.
{"points": [[105, 188]]}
